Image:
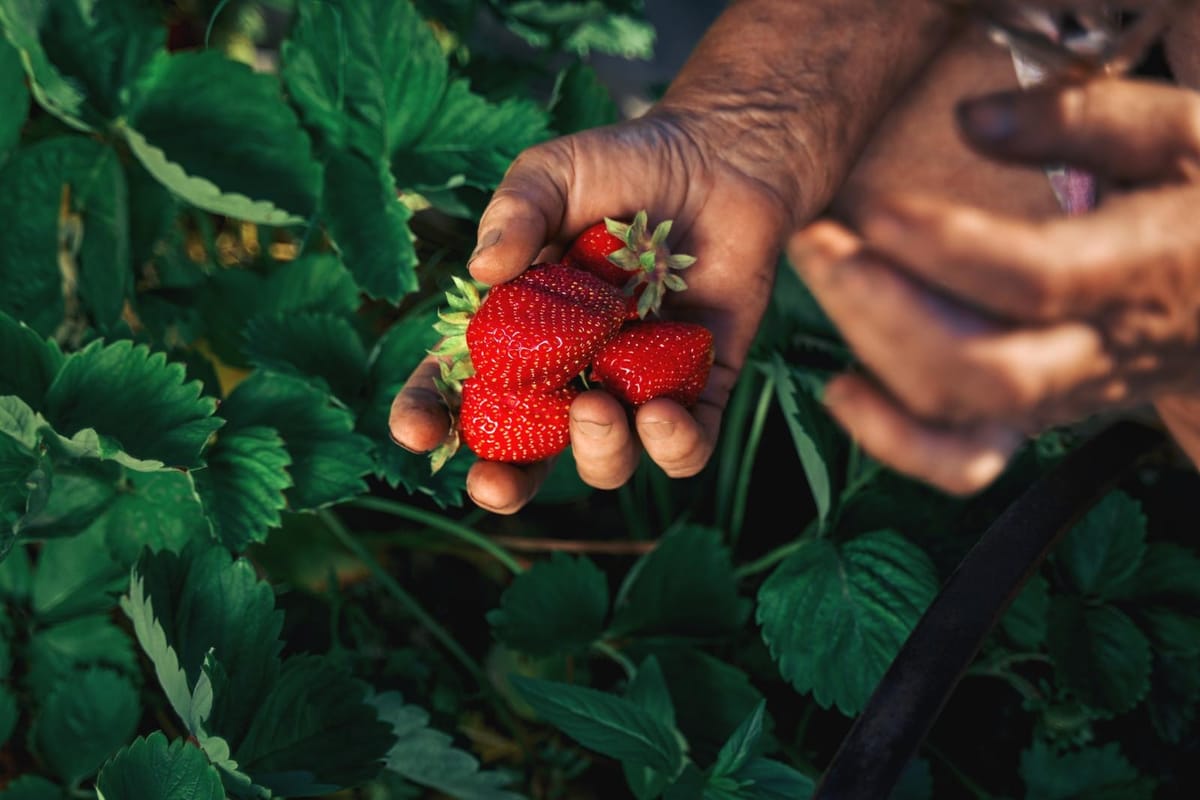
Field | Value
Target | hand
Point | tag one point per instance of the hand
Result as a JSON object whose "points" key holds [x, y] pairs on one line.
{"points": [[977, 328], [732, 221]]}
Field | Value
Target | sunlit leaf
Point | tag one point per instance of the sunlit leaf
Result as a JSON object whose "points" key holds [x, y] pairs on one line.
{"points": [[223, 137]]}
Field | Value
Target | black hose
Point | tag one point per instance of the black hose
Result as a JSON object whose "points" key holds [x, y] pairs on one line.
{"points": [[913, 691]]}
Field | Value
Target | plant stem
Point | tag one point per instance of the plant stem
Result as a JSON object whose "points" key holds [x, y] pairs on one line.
{"points": [[617, 547], [627, 666], [393, 587], [731, 438], [742, 490], [765, 562], [440, 523], [971, 786]]}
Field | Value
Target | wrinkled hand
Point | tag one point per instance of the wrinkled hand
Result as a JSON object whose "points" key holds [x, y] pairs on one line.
{"points": [[976, 329], [731, 221]]}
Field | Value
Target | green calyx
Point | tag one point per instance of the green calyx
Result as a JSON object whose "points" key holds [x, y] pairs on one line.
{"points": [[647, 256], [454, 360]]}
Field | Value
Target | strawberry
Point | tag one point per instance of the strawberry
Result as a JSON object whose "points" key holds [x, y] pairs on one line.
{"points": [[540, 330], [590, 251], [514, 427], [654, 358], [628, 256]]}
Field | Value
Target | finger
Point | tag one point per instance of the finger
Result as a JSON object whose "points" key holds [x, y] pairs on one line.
{"points": [[940, 359], [418, 420], [1127, 251], [679, 441], [1127, 130], [524, 212], [959, 461], [605, 450], [505, 488]]}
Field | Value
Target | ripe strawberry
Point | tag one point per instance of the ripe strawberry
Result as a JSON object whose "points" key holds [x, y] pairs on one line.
{"points": [[628, 256], [590, 251], [654, 358], [514, 427], [540, 330]]}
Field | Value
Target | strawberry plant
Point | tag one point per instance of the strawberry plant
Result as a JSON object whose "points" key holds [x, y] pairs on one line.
{"points": [[230, 230]]}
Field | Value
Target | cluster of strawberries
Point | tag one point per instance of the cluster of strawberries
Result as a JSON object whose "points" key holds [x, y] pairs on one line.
{"points": [[514, 359]]}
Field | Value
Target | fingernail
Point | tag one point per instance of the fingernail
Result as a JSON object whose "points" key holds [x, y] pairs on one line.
{"points": [[991, 119], [592, 429], [656, 429], [487, 240]]}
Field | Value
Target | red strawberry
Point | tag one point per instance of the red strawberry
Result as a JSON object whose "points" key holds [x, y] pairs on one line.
{"points": [[514, 427], [541, 329], [653, 358], [629, 256], [590, 251]]}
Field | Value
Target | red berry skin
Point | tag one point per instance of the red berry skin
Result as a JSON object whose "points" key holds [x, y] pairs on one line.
{"points": [[541, 329], [656, 358], [515, 427], [590, 252]]}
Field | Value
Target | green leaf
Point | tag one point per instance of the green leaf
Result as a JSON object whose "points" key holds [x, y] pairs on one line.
{"points": [[684, 587], [428, 757], [1163, 597], [313, 345], [329, 459], [177, 593], [471, 141], [314, 732], [28, 364], [57, 652], [828, 606], [158, 510], [1025, 621], [580, 100], [152, 769], [557, 606], [365, 74], [773, 780], [83, 56], [84, 720], [1174, 693], [223, 137], [32, 787], [610, 725], [742, 745], [1099, 654], [368, 223], [1068, 776], [1105, 547], [244, 485], [64, 252], [582, 27], [135, 396], [74, 577], [648, 689], [81, 492], [711, 698], [810, 435], [14, 99], [16, 576], [24, 484], [233, 297]]}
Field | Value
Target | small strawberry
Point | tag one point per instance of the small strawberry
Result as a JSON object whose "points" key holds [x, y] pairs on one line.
{"points": [[627, 255], [514, 427], [654, 358]]}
